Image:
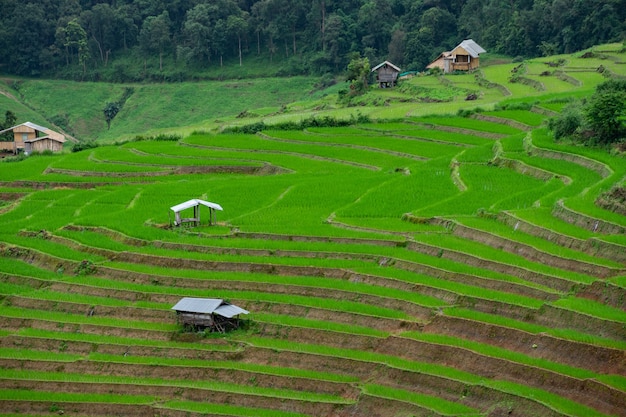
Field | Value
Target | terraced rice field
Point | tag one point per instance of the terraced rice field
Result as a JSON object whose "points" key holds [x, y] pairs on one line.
{"points": [[440, 266]]}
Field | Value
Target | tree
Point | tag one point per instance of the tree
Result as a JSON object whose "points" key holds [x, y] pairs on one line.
{"points": [[358, 74], [340, 31], [209, 28], [220, 38], [9, 121], [110, 111], [568, 123], [321, 32], [436, 32], [396, 47], [75, 39], [375, 20], [606, 112], [155, 35], [265, 12], [292, 12], [28, 32], [129, 30], [420, 48], [238, 25], [198, 32], [601, 121], [104, 25], [487, 21]]}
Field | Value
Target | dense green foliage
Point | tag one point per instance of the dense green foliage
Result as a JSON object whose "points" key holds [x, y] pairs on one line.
{"points": [[600, 120], [127, 40], [9, 121]]}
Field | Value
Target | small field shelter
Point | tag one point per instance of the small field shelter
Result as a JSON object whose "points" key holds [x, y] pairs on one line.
{"points": [[195, 204], [29, 137], [386, 74], [208, 313], [464, 57]]}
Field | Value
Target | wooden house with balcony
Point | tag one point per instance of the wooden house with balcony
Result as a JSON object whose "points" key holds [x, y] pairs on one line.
{"points": [[386, 74], [29, 137], [464, 57]]}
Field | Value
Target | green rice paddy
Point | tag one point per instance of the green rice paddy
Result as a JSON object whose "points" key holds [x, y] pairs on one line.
{"points": [[341, 243]]}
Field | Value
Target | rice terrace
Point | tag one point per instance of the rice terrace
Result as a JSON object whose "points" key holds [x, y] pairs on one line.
{"points": [[432, 257]]}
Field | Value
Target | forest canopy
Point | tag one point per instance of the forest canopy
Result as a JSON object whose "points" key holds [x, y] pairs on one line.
{"points": [[100, 40]]}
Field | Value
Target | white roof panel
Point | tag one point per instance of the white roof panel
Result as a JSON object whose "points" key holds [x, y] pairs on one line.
{"points": [[185, 205], [472, 47], [36, 127], [29, 124], [229, 310], [208, 306], [194, 202], [387, 63], [198, 305]]}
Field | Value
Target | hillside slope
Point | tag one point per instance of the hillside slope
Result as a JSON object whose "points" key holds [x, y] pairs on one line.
{"points": [[184, 107], [433, 265]]}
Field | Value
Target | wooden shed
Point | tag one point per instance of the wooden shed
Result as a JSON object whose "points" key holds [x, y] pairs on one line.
{"points": [[464, 57], [195, 205], [214, 314], [29, 137], [386, 74]]}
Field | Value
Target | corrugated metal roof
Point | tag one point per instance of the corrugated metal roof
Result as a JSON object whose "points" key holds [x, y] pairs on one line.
{"points": [[29, 124], [472, 47], [50, 134], [230, 311], [44, 137], [37, 139], [36, 127], [194, 202], [388, 63], [198, 305], [208, 306]]}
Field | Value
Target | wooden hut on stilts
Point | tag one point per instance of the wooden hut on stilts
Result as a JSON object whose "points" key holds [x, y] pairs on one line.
{"points": [[214, 314]]}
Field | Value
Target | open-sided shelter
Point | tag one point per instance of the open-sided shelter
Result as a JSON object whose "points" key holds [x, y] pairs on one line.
{"points": [[195, 204], [29, 137], [464, 57], [208, 313], [386, 74]]}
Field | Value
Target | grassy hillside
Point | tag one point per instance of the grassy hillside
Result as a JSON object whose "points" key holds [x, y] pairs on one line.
{"points": [[153, 108], [422, 264], [78, 107]]}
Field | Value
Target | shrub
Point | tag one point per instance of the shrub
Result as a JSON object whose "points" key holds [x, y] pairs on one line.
{"points": [[514, 106], [568, 123], [606, 112], [162, 137], [17, 158], [85, 267], [81, 146], [469, 112], [601, 121], [324, 121]]}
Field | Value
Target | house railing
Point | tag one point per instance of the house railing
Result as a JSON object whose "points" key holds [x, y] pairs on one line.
{"points": [[461, 66], [7, 146]]}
